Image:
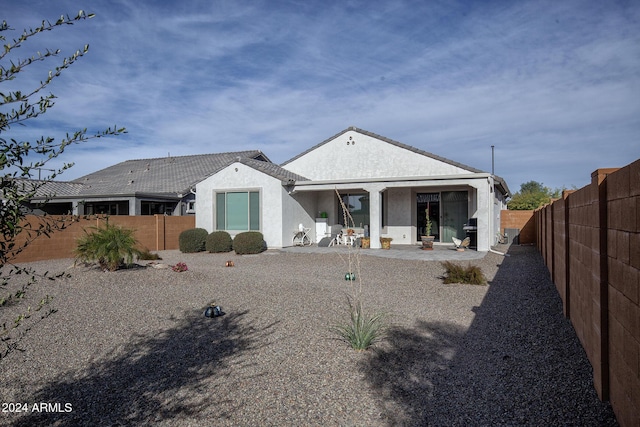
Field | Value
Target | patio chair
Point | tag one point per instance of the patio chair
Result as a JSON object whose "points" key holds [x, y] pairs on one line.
{"points": [[461, 244], [301, 236], [336, 235]]}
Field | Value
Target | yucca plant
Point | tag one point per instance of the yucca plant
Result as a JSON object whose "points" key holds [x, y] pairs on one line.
{"points": [[111, 246], [362, 330]]}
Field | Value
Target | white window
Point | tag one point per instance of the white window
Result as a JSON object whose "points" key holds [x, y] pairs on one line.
{"points": [[238, 211]]}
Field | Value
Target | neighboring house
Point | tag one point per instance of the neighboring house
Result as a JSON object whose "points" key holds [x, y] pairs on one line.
{"points": [[163, 185], [387, 187]]}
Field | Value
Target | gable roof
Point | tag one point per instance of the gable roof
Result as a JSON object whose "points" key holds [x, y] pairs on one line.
{"points": [[163, 176], [389, 141], [272, 169], [501, 183], [175, 176], [43, 189]]}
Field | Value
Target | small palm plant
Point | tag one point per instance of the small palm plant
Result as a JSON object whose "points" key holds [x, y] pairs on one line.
{"points": [[111, 246]]}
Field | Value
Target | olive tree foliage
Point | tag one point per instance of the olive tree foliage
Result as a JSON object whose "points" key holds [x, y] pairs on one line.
{"points": [[532, 195], [19, 163]]}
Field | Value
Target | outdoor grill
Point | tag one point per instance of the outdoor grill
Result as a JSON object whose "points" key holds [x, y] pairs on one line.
{"points": [[471, 228]]}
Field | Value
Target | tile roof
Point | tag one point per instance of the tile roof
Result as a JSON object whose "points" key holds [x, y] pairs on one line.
{"points": [[173, 176], [273, 170], [500, 180], [165, 176], [162, 176], [44, 189], [390, 141]]}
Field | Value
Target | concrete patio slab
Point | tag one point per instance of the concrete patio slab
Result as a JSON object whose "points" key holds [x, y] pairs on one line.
{"points": [[408, 252]]}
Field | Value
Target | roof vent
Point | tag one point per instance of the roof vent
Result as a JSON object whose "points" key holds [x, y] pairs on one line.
{"points": [[130, 182]]}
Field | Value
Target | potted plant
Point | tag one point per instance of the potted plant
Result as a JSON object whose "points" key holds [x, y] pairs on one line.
{"points": [[365, 242], [427, 241], [386, 242]]}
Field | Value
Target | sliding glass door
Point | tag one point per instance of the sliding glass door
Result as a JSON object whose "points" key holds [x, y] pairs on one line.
{"points": [[428, 203], [455, 209]]}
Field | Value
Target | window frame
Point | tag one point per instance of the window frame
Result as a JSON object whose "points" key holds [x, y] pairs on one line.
{"points": [[253, 219], [349, 195]]}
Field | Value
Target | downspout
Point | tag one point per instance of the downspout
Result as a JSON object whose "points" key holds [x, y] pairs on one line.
{"points": [[492, 196]]}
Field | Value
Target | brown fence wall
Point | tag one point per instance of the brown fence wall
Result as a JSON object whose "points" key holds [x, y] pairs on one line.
{"points": [[590, 241], [155, 233], [522, 220]]}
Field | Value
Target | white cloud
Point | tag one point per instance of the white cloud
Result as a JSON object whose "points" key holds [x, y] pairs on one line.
{"points": [[548, 83]]}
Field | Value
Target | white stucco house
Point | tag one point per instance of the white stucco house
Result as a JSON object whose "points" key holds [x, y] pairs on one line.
{"points": [[386, 185]]}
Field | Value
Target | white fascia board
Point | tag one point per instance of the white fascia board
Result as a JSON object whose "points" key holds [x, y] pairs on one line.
{"points": [[414, 181]]}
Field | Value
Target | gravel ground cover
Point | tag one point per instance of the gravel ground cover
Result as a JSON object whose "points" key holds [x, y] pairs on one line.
{"points": [[132, 347]]}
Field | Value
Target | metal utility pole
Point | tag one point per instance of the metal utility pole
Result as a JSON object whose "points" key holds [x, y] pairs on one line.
{"points": [[492, 163]]}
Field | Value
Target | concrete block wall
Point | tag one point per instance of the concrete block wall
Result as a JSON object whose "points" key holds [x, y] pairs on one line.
{"points": [[595, 245], [522, 220], [158, 232], [155, 233], [585, 290], [548, 243], [144, 227], [560, 254], [167, 237], [541, 232], [60, 244], [623, 263]]}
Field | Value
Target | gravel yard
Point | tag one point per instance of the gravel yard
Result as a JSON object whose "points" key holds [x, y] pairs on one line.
{"points": [[132, 347]]}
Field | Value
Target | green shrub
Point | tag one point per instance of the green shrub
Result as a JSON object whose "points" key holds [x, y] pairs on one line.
{"points": [[192, 240], [249, 242], [471, 274], [219, 241], [362, 330], [111, 246], [148, 256]]}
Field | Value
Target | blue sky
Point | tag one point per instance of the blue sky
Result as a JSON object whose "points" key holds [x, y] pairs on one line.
{"points": [[553, 85]]}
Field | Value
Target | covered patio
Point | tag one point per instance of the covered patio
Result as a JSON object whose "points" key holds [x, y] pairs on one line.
{"points": [[397, 208]]}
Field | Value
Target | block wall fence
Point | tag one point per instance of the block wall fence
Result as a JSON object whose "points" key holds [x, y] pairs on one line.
{"points": [[523, 221], [590, 242], [156, 233], [160, 232]]}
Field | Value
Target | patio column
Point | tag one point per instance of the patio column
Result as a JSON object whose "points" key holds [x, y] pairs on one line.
{"points": [[77, 207], [375, 214], [484, 213]]}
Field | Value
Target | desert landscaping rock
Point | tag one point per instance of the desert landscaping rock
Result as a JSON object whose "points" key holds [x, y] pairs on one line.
{"points": [[132, 347]]}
